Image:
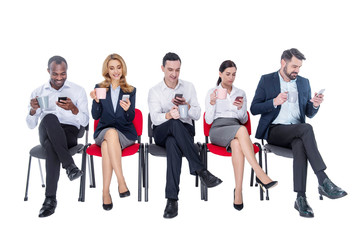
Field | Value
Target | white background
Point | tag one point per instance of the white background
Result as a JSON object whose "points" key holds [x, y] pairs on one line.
{"points": [[203, 33]]}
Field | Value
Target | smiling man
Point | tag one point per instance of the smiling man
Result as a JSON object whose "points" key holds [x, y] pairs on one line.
{"points": [[175, 133], [282, 123], [59, 126]]}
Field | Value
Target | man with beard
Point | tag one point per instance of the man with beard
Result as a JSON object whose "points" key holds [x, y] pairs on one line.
{"points": [[282, 123], [59, 127]]}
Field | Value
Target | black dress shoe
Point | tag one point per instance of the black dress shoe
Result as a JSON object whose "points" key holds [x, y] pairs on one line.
{"points": [[208, 179], [303, 207], [73, 172], [330, 190], [107, 207], [48, 207], [266, 186], [171, 209]]}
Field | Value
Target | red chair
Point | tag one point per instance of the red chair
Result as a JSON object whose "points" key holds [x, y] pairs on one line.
{"points": [[95, 150], [221, 151]]}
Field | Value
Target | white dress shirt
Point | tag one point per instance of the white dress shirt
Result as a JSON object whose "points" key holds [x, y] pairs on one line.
{"points": [[159, 101], [225, 107], [77, 95], [289, 112]]}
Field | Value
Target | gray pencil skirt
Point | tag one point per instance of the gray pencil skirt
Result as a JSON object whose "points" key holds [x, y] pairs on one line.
{"points": [[124, 142], [223, 131]]}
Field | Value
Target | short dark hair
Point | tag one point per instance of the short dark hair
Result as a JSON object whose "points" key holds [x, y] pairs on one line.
{"points": [[57, 60], [288, 54], [170, 56]]}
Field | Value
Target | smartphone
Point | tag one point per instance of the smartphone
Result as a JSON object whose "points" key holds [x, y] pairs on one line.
{"points": [[62, 98], [239, 98], [125, 96], [179, 95], [320, 92]]}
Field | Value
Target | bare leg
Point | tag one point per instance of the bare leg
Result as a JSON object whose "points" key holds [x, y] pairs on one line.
{"points": [[248, 150], [238, 161], [107, 172], [114, 151]]}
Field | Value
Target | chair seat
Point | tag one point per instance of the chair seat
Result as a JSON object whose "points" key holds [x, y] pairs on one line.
{"points": [[160, 151], [280, 151], [221, 151], [95, 150], [40, 152]]}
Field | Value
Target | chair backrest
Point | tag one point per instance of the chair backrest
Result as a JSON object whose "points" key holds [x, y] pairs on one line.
{"points": [[208, 126], [138, 122]]}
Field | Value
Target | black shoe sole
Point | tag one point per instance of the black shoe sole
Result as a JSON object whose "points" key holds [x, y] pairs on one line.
{"points": [[168, 216]]}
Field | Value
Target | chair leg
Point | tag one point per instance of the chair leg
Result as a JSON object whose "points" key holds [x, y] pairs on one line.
{"points": [[141, 149], [252, 178], [27, 181], [266, 171], [91, 172], [146, 175], [83, 177], [204, 189], [260, 163], [41, 174]]}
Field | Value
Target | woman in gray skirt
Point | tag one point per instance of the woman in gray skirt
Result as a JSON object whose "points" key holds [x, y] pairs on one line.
{"points": [[226, 111], [115, 130]]}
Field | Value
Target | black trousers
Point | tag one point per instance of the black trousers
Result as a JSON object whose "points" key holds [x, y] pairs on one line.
{"points": [[56, 138], [178, 139], [301, 139]]}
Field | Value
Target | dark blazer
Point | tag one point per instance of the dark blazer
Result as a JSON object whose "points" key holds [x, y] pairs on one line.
{"points": [[119, 119], [268, 89]]}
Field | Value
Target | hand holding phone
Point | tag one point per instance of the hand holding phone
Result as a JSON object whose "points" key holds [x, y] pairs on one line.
{"points": [[320, 92], [239, 98], [178, 99], [125, 97], [62, 98]]}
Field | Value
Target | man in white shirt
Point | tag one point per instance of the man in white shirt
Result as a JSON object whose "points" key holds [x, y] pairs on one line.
{"points": [[174, 133], [59, 126]]}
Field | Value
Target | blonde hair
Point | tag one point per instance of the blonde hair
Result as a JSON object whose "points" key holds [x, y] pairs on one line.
{"points": [[123, 84]]}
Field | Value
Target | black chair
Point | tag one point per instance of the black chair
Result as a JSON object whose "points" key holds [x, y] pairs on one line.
{"points": [[158, 151], [269, 148], [40, 153]]}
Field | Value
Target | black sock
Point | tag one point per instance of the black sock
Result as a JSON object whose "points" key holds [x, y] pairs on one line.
{"points": [[301, 194], [321, 175]]}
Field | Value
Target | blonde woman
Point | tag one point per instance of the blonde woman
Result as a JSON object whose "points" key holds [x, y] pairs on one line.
{"points": [[115, 130]]}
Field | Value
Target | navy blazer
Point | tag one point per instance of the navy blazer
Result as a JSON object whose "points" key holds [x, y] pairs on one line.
{"points": [[268, 89], [119, 119]]}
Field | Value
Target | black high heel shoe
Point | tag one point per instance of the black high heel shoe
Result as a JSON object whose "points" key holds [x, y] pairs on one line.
{"points": [[124, 194], [238, 206], [266, 186], [107, 207]]}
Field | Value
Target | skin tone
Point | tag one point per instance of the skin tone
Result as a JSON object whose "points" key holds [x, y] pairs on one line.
{"points": [[241, 146], [171, 78], [58, 77], [111, 147], [289, 71]]}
